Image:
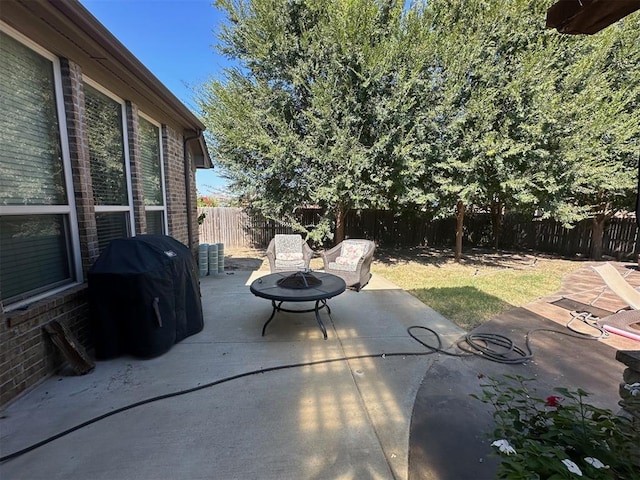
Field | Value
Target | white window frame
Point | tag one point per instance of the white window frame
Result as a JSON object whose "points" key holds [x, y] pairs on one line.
{"points": [[156, 208], [70, 208], [127, 162]]}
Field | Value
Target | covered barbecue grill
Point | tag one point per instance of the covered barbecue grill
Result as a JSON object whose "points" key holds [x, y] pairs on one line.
{"points": [[144, 296]]}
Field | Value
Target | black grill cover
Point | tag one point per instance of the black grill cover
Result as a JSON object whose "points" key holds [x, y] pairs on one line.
{"points": [[144, 296]]}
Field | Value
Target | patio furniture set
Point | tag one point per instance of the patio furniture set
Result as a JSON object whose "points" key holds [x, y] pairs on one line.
{"points": [[347, 265]]}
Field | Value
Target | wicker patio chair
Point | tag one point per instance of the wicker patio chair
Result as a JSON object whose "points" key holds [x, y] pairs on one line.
{"points": [[288, 253], [350, 260]]}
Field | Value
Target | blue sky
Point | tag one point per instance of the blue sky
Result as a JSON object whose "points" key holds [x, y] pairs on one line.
{"points": [[174, 39]]}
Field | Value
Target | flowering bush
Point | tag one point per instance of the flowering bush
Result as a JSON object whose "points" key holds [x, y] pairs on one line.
{"points": [[207, 202], [560, 436]]}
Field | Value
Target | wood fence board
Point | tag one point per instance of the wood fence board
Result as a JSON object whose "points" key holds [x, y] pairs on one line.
{"points": [[235, 228]]}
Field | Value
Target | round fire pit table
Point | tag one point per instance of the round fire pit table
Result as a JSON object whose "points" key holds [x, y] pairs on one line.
{"points": [[283, 287]]}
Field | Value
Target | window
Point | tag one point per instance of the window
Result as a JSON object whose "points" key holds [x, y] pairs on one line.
{"points": [[152, 176], [34, 254], [155, 222], [111, 225], [38, 234], [109, 165]]}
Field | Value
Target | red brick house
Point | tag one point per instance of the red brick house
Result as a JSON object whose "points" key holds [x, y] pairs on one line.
{"points": [[92, 147]]}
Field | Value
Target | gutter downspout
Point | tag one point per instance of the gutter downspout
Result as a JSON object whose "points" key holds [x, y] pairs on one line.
{"points": [[187, 185]]}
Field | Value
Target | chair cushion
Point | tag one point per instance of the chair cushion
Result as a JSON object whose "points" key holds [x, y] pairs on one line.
{"points": [[351, 267], [286, 256], [351, 253], [289, 264], [288, 244], [352, 263]]}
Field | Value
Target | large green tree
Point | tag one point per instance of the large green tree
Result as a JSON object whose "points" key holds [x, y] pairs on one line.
{"points": [[441, 106], [495, 139], [311, 114], [599, 127], [532, 119]]}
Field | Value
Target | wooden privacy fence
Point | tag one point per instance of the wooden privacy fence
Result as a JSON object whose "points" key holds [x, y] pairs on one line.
{"points": [[235, 228], [620, 239], [225, 225]]}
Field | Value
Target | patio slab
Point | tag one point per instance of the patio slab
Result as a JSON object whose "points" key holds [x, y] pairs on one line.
{"points": [[377, 415], [326, 420]]}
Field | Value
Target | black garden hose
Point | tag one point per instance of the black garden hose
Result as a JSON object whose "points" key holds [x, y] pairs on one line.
{"points": [[494, 347]]}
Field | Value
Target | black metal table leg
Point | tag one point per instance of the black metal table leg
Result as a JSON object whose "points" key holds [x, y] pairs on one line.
{"points": [[275, 309], [318, 319]]}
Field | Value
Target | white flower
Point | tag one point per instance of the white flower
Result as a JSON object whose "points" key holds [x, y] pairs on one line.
{"points": [[595, 463], [572, 467], [504, 446], [634, 388]]}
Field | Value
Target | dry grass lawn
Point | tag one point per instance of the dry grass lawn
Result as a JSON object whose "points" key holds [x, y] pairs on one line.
{"points": [[483, 285]]}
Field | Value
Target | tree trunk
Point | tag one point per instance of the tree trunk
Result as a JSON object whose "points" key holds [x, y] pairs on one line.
{"points": [[496, 222], [597, 233], [341, 213], [459, 229]]}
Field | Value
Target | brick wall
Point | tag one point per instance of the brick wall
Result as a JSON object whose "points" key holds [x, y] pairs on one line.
{"points": [[73, 93], [173, 149], [27, 355], [193, 214], [177, 215]]}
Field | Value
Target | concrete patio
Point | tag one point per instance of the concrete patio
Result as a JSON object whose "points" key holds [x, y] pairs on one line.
{"points": [[342, 419]]}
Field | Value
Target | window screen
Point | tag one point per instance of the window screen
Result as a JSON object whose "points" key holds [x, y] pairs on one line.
{"points": [[33, 254], [150, 155], [106, 148], [35, 251], [155, 222], [152, 180], [111, 226], [31, 167], [108, 167]]}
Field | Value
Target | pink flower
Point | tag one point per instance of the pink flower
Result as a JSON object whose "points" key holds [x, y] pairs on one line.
{"points": [[553, 401]]}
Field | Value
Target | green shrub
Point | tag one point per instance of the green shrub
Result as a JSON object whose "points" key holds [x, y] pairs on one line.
{"points": [[560, 436]]}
